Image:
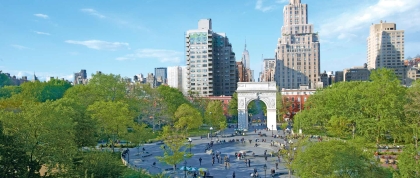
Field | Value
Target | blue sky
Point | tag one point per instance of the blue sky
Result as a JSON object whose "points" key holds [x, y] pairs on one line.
{"points": [[58, 38]]}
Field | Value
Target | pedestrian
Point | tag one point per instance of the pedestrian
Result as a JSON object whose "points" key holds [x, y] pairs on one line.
{"points": [[249, 163], [266, 158], [233, 175], [246, 162], [212, 161], [200, 160], [277, 166]]}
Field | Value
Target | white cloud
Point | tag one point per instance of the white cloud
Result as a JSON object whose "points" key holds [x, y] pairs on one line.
{"points": [[343, 36], [100, 45], [259, 6], [41, 16], [162, 55], [20, 47], [354, 21], [282, 1], [41, 33], [93, 12]]}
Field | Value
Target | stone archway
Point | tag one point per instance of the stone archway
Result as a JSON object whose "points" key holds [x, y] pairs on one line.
{"points": [[249, 91]]}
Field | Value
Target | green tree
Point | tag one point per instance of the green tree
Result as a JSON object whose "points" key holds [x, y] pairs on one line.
{"points": [[233, 106], [85, 95], [4, 80], [223, 125], [335, 159], [186, 118], [383, 104], [98, 164], [289, 153], [45, 131], [85, 128], [198, 102], [367, 109], [252, 108], [8, 91], [43, 91], [408, 164], [214, 113], [172, 97], [174, 140], [108, 87], [13, 158], [113, 118], [408, 161]]}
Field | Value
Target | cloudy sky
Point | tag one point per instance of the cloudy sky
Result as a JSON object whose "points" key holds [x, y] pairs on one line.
{"points": [[58, 38]]}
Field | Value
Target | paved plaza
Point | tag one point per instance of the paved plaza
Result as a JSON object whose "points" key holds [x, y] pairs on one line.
{"points": [[138, 159]]}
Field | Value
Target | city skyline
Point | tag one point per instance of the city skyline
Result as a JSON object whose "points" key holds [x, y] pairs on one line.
{"points": [[57, 39]]}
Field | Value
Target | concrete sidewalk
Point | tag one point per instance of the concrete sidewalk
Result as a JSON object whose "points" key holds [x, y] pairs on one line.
{"points": [[139, 160]]}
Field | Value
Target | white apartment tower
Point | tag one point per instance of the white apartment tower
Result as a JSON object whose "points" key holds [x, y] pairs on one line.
{"points": [[385, 48], [211, 65], [174, 75], [298, 49]]}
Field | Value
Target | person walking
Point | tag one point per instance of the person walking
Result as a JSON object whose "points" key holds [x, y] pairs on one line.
{"points": [[266, 158], [200, 160], [233, 175], [212, 160], [249, 163], [277, 165]]}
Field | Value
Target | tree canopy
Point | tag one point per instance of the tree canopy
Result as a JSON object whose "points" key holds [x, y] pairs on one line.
{"points": [[334, 159]]}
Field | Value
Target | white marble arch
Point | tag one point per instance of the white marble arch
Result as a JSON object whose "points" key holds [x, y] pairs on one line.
{"points": [[249, 91]]}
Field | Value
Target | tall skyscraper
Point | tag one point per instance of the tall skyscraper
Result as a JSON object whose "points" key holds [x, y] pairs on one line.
{"points": [[211, 63], [161, 75], [80, 77], [267, 74], [245, 58], [298, 49], [386, 48]]}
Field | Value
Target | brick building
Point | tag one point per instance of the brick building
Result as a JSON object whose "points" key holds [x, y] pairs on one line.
{"points": [[294, 99]]}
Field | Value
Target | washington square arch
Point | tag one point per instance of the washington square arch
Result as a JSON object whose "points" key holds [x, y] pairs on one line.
{"points": [[249, 91]]}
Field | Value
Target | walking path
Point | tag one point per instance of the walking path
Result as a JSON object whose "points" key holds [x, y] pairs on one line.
{"points": [[137, 159]]}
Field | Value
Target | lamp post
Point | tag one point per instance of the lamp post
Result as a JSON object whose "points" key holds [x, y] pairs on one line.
{"points": [[211, 135], [272, 130], [189, 140], [128, 156], [185, 168], [265, 170]]}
